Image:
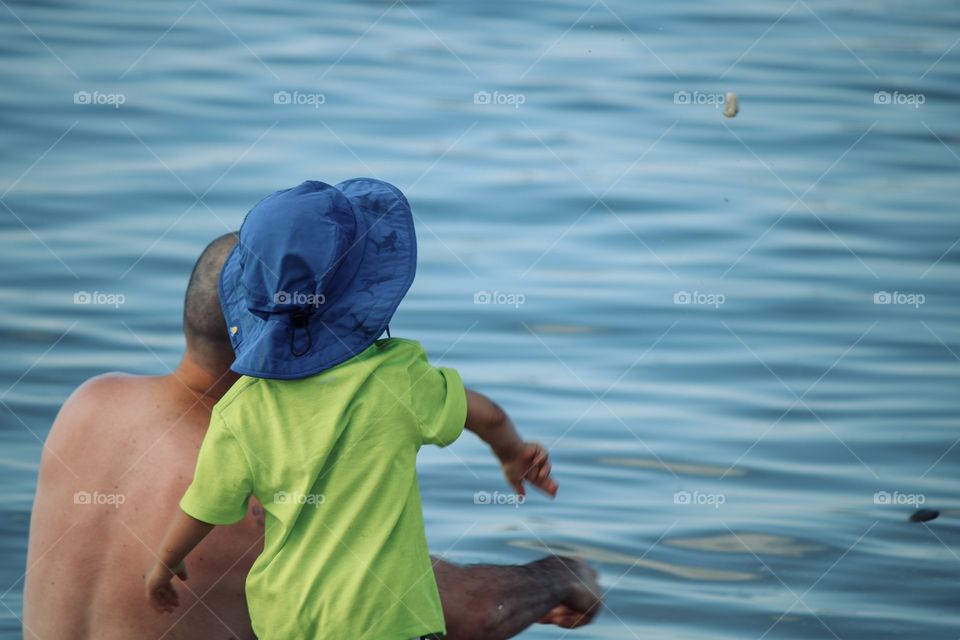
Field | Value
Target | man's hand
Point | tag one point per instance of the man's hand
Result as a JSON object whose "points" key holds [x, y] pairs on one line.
{"points": [[584, 597], [161, 594], [530, 462]]}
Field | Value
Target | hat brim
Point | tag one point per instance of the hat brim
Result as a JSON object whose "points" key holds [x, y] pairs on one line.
{"points": [[351, 322]]}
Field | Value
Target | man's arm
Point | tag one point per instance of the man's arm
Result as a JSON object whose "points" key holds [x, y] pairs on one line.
{"points": [[521, 460], [184, 534]]}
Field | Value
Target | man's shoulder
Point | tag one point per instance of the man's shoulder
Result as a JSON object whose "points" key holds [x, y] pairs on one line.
{"points": [[113, 387], [88, 411], [109, 382], [98, 399]]}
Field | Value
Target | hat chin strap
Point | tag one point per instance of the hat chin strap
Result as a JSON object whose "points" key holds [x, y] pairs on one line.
{"points": [[300, 320]]}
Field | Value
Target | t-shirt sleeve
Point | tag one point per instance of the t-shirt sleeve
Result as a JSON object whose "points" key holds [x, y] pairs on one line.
{"points": [[222, 482], [440, 403]]}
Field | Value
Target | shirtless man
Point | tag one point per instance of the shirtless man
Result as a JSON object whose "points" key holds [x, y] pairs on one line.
{"points": [[119, 456]]}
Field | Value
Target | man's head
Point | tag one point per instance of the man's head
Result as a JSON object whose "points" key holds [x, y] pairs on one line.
{"points": [[203, 323]]}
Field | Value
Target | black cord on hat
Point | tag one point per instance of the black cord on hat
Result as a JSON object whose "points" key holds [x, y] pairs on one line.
{"points": [[299, 321]]}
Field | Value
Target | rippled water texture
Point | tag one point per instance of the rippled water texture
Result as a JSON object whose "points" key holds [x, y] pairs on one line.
{"points": [[681, 305]]}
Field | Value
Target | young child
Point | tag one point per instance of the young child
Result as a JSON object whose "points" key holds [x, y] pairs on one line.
{"points": [[325, 423]]}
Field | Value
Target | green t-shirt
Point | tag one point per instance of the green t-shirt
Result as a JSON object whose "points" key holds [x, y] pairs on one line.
{"points": [[332, 459]]}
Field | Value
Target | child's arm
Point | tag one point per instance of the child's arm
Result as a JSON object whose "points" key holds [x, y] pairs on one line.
{"points": [[521, 460], [184, 534]]}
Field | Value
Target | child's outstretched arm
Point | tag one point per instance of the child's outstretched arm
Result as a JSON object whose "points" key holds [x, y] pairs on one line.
{"points": [[521, 460], [184, 534]]}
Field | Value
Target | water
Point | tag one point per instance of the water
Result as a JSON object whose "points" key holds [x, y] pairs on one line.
{"points": [[777, 414]]}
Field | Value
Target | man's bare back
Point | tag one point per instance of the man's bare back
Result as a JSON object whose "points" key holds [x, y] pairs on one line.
{"points": [[130, 440]]}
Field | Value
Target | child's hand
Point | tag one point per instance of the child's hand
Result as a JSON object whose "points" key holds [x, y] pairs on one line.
{"points": [[530, 463], [521, 460], [161, 594]]}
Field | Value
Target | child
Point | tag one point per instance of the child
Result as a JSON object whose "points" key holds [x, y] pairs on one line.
{"points": [[325, 424]]}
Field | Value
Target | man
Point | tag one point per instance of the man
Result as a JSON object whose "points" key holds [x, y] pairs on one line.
{"points": [[119, 457]]}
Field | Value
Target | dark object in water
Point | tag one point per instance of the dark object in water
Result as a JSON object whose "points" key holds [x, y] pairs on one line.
{"points": [[924, 515]]}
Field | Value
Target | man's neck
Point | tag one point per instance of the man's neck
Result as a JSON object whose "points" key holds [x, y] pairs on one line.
{"points": [[206, 385]]}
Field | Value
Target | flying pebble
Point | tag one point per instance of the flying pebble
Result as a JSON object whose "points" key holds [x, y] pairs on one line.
{"points": [[733, 105]]}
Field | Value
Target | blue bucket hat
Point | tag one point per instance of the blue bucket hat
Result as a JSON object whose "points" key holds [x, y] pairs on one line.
{"points": [[316, 276]]}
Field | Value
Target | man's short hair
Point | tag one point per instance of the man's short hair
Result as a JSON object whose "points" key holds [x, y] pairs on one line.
{"points": [[203, 323]]}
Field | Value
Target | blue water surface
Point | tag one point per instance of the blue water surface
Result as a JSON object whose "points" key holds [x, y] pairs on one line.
{"points": [[738, 336]]}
